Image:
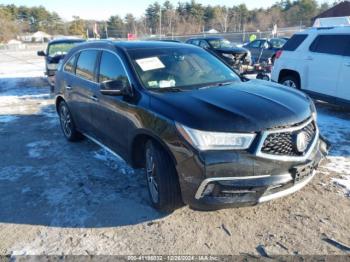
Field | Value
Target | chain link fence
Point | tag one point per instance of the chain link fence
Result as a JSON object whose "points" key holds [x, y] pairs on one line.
{"points": [[235, 37]]}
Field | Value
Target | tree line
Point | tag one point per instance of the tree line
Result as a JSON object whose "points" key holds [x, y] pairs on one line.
{"points": [[184, 18]]}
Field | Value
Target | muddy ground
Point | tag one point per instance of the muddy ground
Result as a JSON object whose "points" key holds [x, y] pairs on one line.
{"points": [[75, 198]]}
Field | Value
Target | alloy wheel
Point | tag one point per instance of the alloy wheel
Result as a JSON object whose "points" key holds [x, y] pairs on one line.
{"points": [[66, 121], [151, 175], [289, 83]]}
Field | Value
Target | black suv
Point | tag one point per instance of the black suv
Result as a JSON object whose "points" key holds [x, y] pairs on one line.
{"points": [[233, 55], [204, 137]]}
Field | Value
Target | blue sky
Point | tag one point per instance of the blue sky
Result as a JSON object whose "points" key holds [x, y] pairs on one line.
{"points": [[102, 9]]}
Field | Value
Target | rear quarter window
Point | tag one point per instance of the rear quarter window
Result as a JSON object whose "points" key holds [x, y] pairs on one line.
{"points": [[70, 65], [330, 44], [294, 42]]}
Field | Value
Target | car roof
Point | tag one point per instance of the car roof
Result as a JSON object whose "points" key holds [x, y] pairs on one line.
{"points": [[207, 38], [67, 40], [336, 29], [132, 45]]}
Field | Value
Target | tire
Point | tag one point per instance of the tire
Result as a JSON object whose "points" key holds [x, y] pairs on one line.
{"points": [[162, 180], [290, 81], [263, 76], [67, 124]]}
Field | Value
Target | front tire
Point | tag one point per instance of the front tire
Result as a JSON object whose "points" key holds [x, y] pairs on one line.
{"points": [[162, 180], [290, 81], [67, 124]]}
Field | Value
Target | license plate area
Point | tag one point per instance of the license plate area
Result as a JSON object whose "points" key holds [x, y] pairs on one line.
{"points": [[302, 172]]}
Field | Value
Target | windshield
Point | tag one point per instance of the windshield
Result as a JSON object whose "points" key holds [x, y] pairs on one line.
{"points": [[220, 43], [60, 48], [179, 68]]}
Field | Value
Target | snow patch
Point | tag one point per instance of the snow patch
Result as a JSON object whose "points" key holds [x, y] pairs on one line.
{"points": [[344, 182], [36, 149], [7, 118], [13, 173], [113, 161]]}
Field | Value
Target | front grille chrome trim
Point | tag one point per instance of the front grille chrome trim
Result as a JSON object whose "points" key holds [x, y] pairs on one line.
{"points": [[286, 158]]}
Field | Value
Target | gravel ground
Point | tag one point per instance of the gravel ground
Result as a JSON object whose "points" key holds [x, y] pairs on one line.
{"points": [[75, 198]]}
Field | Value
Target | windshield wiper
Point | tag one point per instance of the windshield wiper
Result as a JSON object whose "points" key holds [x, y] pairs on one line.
{"points": [[167, 89], [217, 84]]}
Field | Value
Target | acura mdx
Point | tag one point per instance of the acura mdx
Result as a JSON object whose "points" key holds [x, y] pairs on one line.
{"points": [[204, 136]]}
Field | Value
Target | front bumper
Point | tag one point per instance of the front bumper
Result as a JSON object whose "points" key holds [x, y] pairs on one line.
{"points": [[235, 179]]}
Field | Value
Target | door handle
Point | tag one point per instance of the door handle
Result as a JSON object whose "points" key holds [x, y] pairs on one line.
{"points": [[94, 98], [68, 87], [347, 64]]}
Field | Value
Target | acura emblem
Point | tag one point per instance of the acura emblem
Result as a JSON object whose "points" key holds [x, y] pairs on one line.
{"points": [[301, 142]]}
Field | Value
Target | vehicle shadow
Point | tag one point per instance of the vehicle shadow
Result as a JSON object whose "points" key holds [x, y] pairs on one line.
{"points": [[45, 180]]}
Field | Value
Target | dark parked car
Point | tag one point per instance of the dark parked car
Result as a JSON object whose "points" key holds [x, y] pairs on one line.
{"points": [[204, 137], [55, 51], [229, 52], [265, 49]]}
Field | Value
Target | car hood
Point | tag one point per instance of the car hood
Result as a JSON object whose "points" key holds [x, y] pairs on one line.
{"points": [[239, 107], [233, 50]]}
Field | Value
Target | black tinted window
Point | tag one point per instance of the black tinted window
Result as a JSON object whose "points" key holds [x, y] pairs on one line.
{"points": [[195, 42], [86, 64], [111, 68], [255, 44], [294, 42], [70, 65], [204, 44], [330, 44]]}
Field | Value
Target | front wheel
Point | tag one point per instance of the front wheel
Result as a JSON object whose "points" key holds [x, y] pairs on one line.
{"points": [[290, 81], [162, 180]]}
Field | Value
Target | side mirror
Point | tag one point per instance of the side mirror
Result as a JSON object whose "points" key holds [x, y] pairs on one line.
{"points": [[41, 53], [117, 87], [266, 45]]}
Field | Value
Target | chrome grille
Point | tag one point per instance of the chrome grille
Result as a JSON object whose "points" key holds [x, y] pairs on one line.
{"points": [[283, 143]]}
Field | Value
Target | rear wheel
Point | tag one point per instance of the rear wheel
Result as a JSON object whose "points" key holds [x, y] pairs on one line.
{"points": [[67, 124], [162, 180], [290, 81]]}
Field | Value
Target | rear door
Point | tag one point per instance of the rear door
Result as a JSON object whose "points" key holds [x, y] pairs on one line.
{"points": [[343, 90], [112, 114], [255, 48], [80, 90], [323, 63]]}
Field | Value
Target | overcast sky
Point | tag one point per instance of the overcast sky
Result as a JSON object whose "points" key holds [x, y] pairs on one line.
{"points": [[103, 9]]}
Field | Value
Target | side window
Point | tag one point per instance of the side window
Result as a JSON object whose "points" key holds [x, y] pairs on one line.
{"points": [[347, 48], [255, 44], [293, 43], [195, 42], [111, 68], [204, 44], [70, 65], [86, 64], [330, 44]]}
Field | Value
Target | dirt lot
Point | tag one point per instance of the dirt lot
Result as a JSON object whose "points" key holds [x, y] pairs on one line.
{"points": [[75, 198]]}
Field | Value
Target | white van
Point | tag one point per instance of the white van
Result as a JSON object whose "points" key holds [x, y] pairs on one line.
{"points": [[317, 61]]}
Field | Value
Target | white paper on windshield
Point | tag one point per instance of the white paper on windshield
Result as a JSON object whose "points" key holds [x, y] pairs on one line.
{"points": [[150, 63], [167, 83]]}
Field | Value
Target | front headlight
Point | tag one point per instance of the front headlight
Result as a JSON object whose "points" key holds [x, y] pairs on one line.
{"points": [[52, 66], [228, 56], [313, 109], [205, 140]]}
